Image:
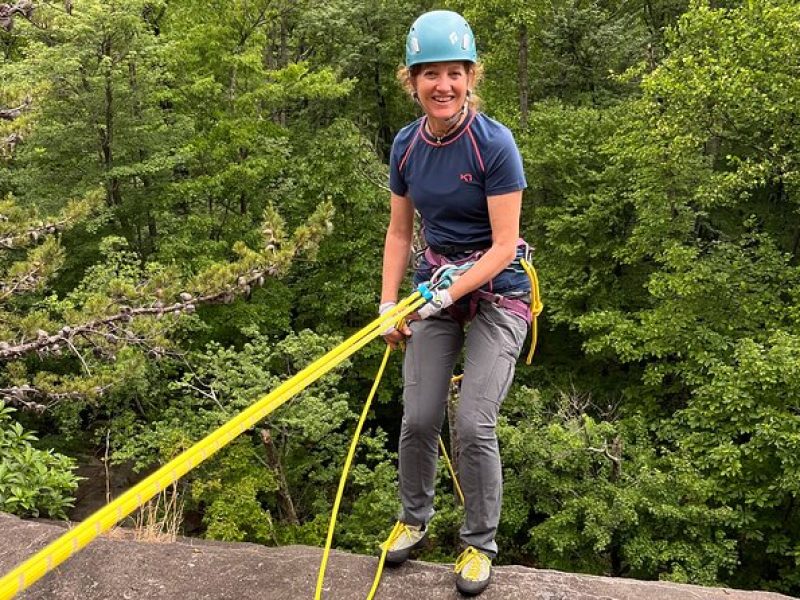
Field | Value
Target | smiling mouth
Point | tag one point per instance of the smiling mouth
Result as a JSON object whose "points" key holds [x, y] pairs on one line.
{"points": [[444, 100]]}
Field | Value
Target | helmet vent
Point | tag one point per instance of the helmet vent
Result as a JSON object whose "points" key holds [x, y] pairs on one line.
{"points": [[465, 42], [415, 45]]}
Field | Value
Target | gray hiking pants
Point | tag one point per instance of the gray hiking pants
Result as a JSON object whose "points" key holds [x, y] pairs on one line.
{"points": [[492, 342]]}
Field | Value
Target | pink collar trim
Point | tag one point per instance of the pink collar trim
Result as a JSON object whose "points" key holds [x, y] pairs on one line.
{"points": [[459, 132]]}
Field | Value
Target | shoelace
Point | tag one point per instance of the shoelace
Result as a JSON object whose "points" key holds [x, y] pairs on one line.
{"points": [[470, 562], [399, 530]]}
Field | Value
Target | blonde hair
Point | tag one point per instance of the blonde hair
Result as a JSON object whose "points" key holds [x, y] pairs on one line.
{"points": [[406, 75]]}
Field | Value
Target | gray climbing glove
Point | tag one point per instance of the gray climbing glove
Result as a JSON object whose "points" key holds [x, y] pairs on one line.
{"points": [[441, 300]]}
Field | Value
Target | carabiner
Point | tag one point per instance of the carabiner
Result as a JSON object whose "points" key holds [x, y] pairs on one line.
{"points": [[446, 275]]}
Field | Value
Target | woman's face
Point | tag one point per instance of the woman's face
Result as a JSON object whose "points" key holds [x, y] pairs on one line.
{"points": [[442, 88]]}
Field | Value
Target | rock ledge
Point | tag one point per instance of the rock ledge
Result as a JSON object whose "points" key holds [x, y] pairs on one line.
{"points": [[117, 567]]}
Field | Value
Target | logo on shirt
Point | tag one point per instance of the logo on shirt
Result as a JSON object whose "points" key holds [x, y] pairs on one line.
{"points": [[466, 177]]}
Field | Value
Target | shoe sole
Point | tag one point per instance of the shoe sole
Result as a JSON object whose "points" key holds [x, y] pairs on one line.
{"points": [[469, 588]]}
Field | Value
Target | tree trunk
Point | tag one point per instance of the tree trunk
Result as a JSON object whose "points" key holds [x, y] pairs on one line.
{"points": [[795, 245], [152, 231], [522, 76], [284, 62], [113, 196], [384, 133], [274, 462]]}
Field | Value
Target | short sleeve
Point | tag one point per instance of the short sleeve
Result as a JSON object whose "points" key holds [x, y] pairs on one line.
{"points": [[397, 182], [504, 171]]}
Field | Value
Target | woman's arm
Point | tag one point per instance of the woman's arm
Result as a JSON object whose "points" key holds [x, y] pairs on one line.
{"points": [[397, 247], [504, 211]]}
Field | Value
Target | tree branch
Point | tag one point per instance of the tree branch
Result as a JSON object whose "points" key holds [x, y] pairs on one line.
{"points": [[8, 11], [274, 461], [9, 114], [15, 240], [616, 458], [106, 327], [22, 283], [33, 399], [221, 284]]}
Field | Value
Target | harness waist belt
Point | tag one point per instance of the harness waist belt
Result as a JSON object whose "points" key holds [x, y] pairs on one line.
{"points": [[456, 249]]}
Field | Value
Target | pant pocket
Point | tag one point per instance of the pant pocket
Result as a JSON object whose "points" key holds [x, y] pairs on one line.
{"points": [[499, 379]]}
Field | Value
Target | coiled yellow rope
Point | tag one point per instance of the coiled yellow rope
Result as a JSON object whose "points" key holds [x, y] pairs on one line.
{"points": [[536, 306]]}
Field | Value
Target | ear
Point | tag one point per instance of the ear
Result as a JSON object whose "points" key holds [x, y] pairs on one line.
{"points": [[415, 96]]}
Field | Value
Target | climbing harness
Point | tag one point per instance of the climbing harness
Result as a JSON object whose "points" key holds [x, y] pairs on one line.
{"points": [[447, 272], [446, 275]]}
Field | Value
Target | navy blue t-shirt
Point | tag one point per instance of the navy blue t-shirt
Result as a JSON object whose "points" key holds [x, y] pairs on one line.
{"points": [[449, 181]]}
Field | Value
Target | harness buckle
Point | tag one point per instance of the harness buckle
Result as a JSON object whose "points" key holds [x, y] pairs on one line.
{"points": [[446, 275]]}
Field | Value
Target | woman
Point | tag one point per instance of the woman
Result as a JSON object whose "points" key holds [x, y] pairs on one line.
{"points": [[463, 173]]}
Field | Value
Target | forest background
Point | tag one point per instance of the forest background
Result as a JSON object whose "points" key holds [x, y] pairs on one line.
{"points": [[193, 207]]}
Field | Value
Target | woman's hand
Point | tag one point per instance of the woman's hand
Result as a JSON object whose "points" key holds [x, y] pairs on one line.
{"points": [[392, 335], [397, 336]]}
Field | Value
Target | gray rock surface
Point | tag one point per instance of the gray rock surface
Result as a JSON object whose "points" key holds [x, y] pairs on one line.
{"points": [[118, 567]]}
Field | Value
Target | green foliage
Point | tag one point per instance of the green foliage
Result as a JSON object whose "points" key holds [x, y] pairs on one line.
{"points": [[603, 500], [226, 139], [230, 490], [683, 270], [32, 482], [343, 169], [238, 489], [371, 496]]}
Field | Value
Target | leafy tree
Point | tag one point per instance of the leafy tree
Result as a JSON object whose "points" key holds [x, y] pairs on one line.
{"points": [[275, 485], [96, 75], [32, 481], [599, 497], [696, 269], [660, 439]]}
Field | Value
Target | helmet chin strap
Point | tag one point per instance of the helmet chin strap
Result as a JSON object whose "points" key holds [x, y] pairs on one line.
{"points": [[453, 120]]}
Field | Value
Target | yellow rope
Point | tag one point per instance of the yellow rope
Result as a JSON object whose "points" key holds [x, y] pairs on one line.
{"points": [[74, 540], [345, 471], [452, 471], [536, 306], [398, 527]]}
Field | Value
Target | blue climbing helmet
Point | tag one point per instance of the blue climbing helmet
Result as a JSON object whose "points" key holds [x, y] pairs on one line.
{"points": [[440, 36]]}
